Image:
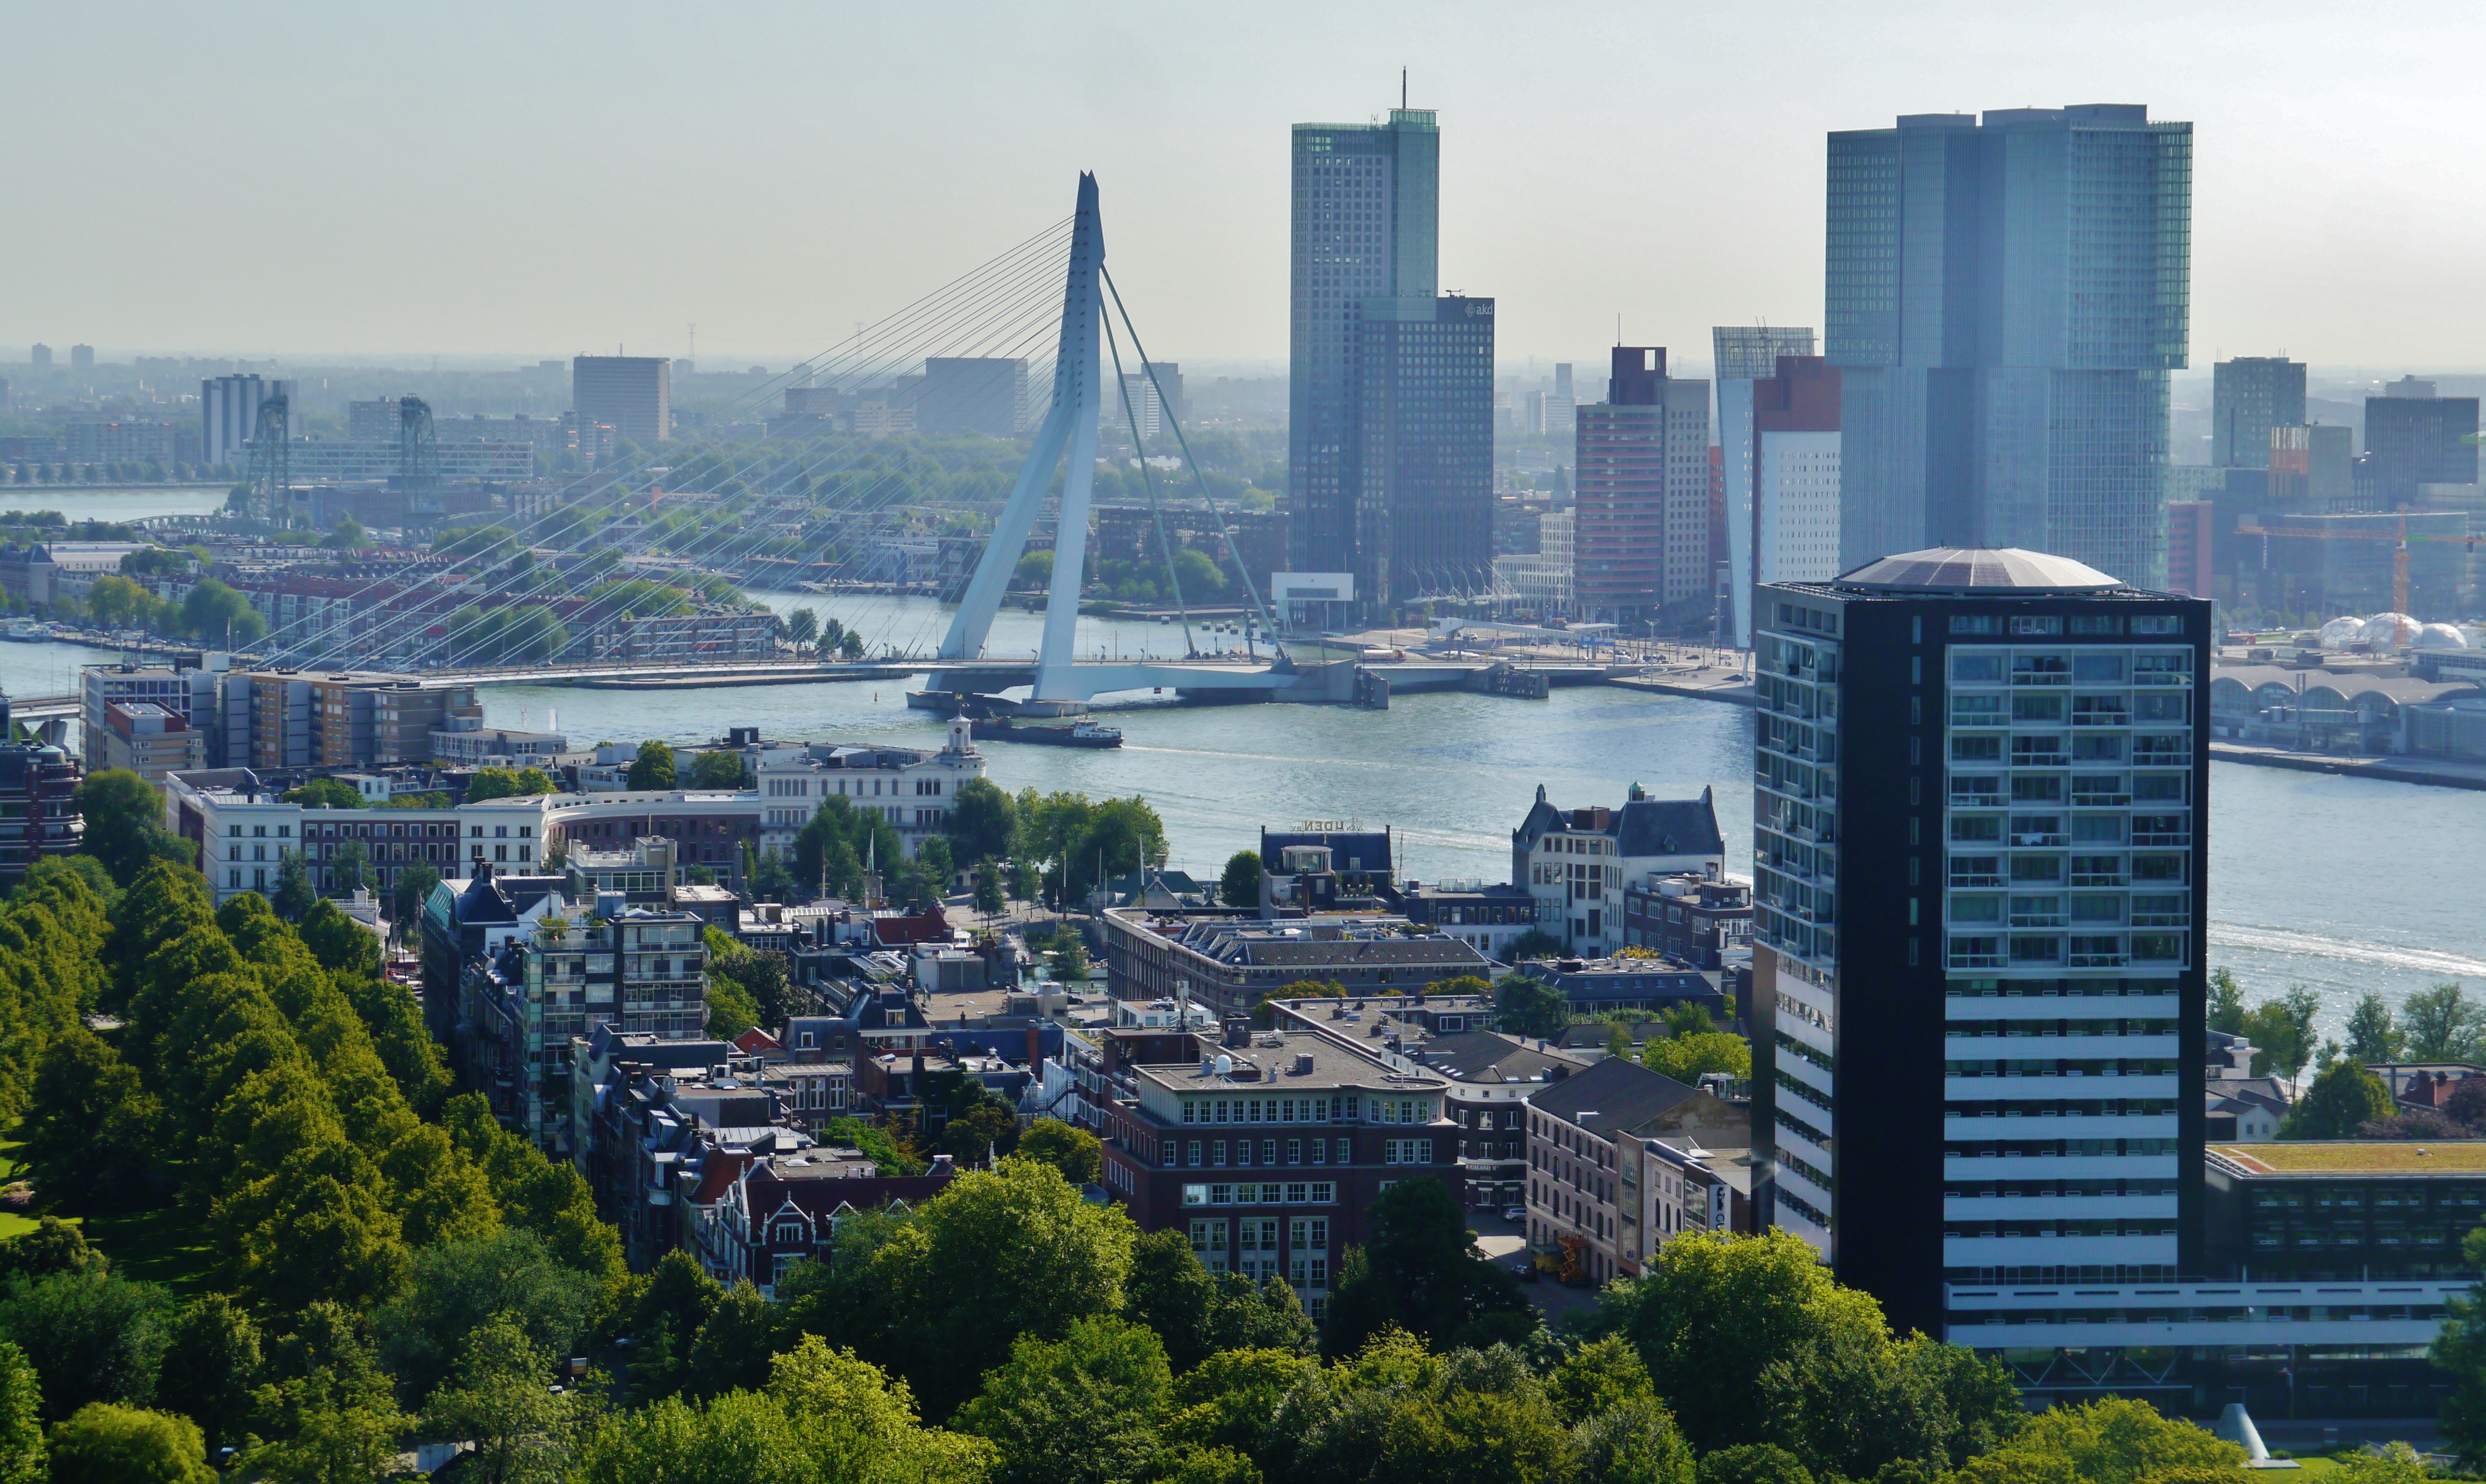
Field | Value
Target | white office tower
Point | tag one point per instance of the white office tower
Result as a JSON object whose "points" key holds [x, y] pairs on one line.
{"points": [[1743, 355]]}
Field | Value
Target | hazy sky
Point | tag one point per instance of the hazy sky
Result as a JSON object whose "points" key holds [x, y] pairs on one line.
{"points": [[540, 179]]}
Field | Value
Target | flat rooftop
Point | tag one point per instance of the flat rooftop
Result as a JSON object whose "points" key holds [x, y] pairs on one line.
{"points": [[2375, 1157]]}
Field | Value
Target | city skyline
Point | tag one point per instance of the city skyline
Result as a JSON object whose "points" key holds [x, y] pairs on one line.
{"points": [[1553, 202]]}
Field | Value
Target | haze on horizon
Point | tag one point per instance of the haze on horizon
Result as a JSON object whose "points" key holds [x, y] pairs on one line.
{"points": [[535, 182]]}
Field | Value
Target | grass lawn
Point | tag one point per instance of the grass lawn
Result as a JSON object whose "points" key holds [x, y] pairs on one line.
{"points": [[152, 1246], [155, 1247]]}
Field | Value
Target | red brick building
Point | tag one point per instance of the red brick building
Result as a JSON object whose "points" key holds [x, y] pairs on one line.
{"points": [[1266, 1147]]}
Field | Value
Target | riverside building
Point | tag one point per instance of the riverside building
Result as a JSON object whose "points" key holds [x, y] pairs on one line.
{"points": [[1978, 851]]}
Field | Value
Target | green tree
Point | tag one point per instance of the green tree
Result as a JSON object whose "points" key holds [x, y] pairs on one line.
{"points": [[654, 767], [414, 887], [1530, 1006], [325, 793], [1420, 1272], [1685, 1057], [124, 824], [2442, 1024], [210, 1367], [54, 1246], [508, 783], [802, 627], [1633, 1442], [337, 1440], [453, 1290], [93, 1336], [1597, 1376], [22, 1458], [1535, 943], [1080, 1410], [1002, 1252], [217, 615], [2372, 1036], [2111, 1441], [294, 894], [2343, 1098], [2460, 1352], [349, 869], [108, 1444], [116, 602], [1239, 885], [500, 1397], [1078, 1154], [732, 1350], [1754, 1462], [347, 535], [988, 899], [983, 821], [2282, 1031], [718, 768]]}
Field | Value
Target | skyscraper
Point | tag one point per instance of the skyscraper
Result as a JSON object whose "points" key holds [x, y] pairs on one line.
{"points": [[1422, 432], [2417, 439], [1366, 219], [633, 394], [81, 358], [1978, 898], [2004, 301], [1640, 534], [1741, 355], [1793, 453], [2249, 397]]}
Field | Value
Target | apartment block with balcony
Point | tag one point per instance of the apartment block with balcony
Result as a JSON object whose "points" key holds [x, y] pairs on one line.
{"points": [[1977, 825]]}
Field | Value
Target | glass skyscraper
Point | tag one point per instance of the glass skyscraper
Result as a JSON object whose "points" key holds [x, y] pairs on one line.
{"points": [[1366, 226], [2004, 299]]}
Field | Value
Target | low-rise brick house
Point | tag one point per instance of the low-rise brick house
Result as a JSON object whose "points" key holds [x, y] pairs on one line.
{"points": [[778, 1210], [1585, 1161], [1267, 1148]]}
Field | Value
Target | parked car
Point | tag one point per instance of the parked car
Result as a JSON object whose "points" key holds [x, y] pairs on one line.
{"points": [[1514, 1213], [1526, 1270]]}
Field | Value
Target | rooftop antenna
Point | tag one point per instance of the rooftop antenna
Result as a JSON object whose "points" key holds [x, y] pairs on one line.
{"points": [[1402, 89]]}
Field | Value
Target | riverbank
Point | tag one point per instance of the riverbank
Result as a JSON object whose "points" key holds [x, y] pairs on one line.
{"points": [[2436, 772]]}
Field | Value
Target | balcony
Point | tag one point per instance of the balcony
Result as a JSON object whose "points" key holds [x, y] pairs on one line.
{"points": [[2164, 838], [2101, 798], [2040, 842], [1975, 879]]}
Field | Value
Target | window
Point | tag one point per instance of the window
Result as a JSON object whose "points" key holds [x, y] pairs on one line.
{"points": [[1195, 1196], [2030, 624], [1976, 669], [1193, 1156], [2158, 623], [1324, 1193]]}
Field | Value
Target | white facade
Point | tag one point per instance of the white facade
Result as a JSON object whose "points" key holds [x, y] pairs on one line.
{"points": [[229, 414], [1799, 513], [913, 789]]}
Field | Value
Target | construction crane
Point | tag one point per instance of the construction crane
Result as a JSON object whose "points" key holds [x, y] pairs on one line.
{"points": [[2399, 554]]}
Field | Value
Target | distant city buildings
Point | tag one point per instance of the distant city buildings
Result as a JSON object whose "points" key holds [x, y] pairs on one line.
{"points": [[1739, 356], [633, 394], [2004, 301], [41, 359], [1795, 474], [2249, 397], [971, 395], [82, 358], [1641, 536], [2415, 439], [229, 414]]}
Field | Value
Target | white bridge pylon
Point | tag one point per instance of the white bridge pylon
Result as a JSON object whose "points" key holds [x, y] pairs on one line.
{"points": [[1069, 429]]}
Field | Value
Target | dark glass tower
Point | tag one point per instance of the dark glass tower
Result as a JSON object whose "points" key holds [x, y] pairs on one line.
{"points": [[1422, 432], [1978, 894], [2005, 300], [1367, 225]]}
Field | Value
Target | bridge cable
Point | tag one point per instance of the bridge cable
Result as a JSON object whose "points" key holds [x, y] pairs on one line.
{"points": [[1147, 479]]}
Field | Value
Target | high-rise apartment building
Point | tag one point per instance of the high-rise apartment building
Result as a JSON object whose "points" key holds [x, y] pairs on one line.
{"points": [[42, 358], [2417, 438], [81, 358], [1793, 497], [2004, 301], [1978, 889], [1366, 224], [631, 394], [2249, 397], [1422, 432], [970, 395], [2312, 467], [1640, 533], [229, 414], [1741, 355]]}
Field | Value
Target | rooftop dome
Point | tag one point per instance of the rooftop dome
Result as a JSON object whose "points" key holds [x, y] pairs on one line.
{"points": [[1967, 570]]}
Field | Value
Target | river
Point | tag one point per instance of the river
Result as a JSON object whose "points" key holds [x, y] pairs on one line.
{"points": [[2345, 884]]}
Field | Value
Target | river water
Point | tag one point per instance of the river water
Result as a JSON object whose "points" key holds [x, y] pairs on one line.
{"points": [[2345, 885]]}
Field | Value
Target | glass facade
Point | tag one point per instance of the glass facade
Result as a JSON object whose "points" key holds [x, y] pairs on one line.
{"points": [[1422, 431], [2007, 298]]}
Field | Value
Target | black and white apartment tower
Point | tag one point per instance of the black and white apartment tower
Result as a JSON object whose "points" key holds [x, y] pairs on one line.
{"points": [[1977, 853]]}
